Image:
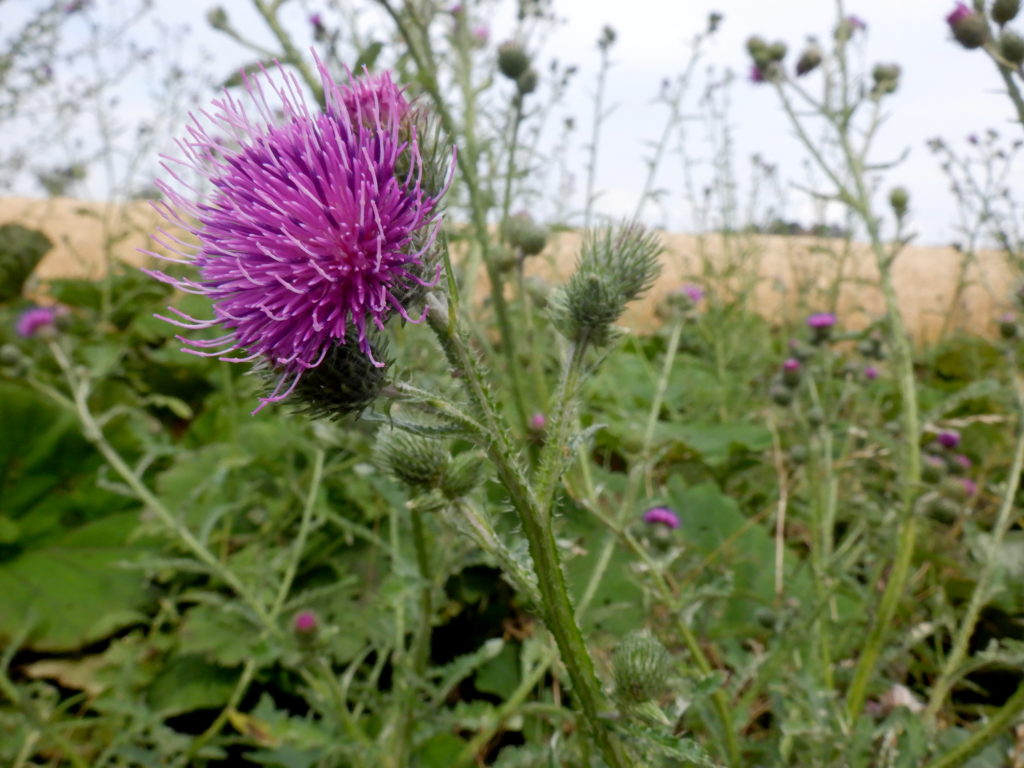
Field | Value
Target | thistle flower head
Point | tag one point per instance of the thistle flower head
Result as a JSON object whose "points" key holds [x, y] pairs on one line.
{"points": [[821, 320], [948, 439], [791, 364], [693, 292], [35, 320], [959, 13], [319, 226], [870, 373], [661, 516]]}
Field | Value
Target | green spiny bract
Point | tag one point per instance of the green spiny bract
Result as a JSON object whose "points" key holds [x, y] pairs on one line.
{"points": [[615, 266], [512, 60], [464, 473], [641, 666], [899, 199], [809, 60], [418, 462], [523, 233], [1004, 11], [347, 381], [1011, 47]]}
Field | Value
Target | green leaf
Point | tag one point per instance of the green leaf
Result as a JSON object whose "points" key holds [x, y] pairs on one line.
{"points": [[715, 443], [188, 683], [500, 675], [71, 590]]}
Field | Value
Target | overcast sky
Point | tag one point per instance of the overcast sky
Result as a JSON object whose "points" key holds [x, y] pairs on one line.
{"points": [[945, 91]]}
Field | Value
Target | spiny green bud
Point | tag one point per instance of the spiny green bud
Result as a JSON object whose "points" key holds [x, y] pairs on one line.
{"points": [[615, 266], [1011, 47], [777, 51], [798, 453], [781, 395], [217, 18], [526, 83], [933, 468], [1004, 11], [887, 79], [523, 233], [512, 60], [1008, 326], [969, 28], [815, 417], [419, 462], [346, 382], [942, 510], [464, 473], [809, 60], [898, 200], [641, 666]]}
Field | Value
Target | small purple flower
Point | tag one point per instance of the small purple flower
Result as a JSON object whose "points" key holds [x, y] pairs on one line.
{"points": [[481, 34], [856, 22], [661, 516], [316, 21], [318, 227], [538, 422], [962, 461], [35, 320], [791, 364], [821, 320], [948, 439], [959, 13], [756, 75], [305, 623], [693, 292], [870, 373], [970, 487], [972, 138]]}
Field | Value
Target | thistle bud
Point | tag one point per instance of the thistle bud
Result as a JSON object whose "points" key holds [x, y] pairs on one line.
{"points": [[757, 48], [616, 265], [809, 60], [305, 624], [886, 80], [1011, 47], [523, 233], [969, 28], [781, 395], [791, 372], [941, 509], [798, 453], [933, 468], [217, 18], [777, 51], [898, 200], [346, 382], [419, 462], [526, 83], [513, 61], [815, 417], [1008, 326], [464, 473], [1004, 11], [641, 666]]}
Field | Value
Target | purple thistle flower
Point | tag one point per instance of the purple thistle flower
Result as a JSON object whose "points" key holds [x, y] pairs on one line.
{"points": [[661, 516], [959, 13], [481, 34], [305, 623], [316, 21], [870, 373], [856, 22], [34, 320], [693, 292], [948, 438], [791, 364], [538, 422], [962, 461], [319, 226], [970, 487], [756, 75], [821, 320]]}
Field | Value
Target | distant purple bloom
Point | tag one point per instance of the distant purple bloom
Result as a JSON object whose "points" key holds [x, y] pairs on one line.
{"points": [[661, 516], [821, 320], [305, 623], [962, 461], [538, 421], [316, 21], [756, 75], [948, 438], [791, 364], [76, 6], [481, 34], [856, 22], [972, 138], [36, 319], [960, 12], [970, 487], [693, 292], [870, 373], [318, 227]]}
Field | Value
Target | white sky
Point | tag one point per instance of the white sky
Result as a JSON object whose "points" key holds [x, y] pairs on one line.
{"points": [[945, 91]]}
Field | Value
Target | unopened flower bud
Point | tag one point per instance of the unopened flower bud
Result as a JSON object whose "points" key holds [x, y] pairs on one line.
{"points": [[1008, 326], [513, 60], [798, 453], [809, 60], [757, 47], [641, 666], [523, 233], [777, 51], [527, 82], [1011, 47], [781, 395], [464, 473], [419, 462], [942, 509], [886, 79], [815, 417], [305, 624], [933, 468], [1004, 11], [791, 372], [217, 18], [969, 28], [898, 200]]}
